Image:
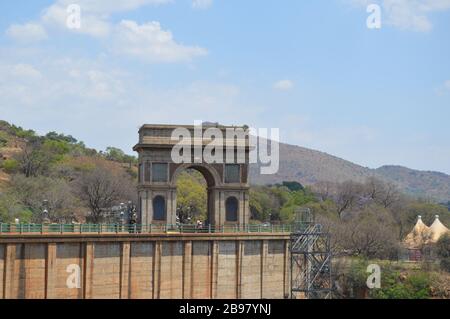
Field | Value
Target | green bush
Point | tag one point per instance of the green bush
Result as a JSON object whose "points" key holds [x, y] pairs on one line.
{"points": [[3, 139], [20, 132], [10, 166], [415, 286]]}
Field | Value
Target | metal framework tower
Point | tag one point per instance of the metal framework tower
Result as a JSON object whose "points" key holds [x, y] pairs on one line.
{"points": [[310, 259]]}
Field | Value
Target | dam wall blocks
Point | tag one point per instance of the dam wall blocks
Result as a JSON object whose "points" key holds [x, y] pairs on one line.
{"points": [[165, 266]]}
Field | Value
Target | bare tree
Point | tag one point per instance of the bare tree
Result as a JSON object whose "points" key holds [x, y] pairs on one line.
{"points": [[374, 188], [347, 195], [390, 195], [102, 187], [324, 189], [371, 233], [32, 191]]}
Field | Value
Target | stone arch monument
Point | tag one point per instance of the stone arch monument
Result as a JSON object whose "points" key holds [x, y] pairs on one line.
{"points": [[227, 181]]}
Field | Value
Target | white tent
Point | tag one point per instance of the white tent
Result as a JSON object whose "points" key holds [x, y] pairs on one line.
{"points": [[437, 230], [418, 236]]}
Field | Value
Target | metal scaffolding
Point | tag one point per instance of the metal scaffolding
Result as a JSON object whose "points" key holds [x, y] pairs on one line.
{"points": [[310, 259]]}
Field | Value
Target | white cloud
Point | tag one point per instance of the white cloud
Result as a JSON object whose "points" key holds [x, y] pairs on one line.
{"points": [[284, 85], [25, 71], [30, 32], [443, 88], [95, 17], [147, 42], [150, 43], [96, 25], [202, 4], [408, 14], [447, 84]]}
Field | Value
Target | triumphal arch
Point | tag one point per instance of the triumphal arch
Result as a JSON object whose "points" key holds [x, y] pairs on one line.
{"points": [[219, 153]]}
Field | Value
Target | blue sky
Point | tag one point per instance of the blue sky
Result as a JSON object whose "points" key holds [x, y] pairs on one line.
{"points": [[311, 68]]}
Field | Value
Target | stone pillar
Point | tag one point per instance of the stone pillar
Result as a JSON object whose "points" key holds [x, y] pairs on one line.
{"points": [[241, 211], [246, 207], [50, 272], [187, 270], [10, 258], [219, 203], [125, 270], [239, 257], [171, 209], [157, 270], [287, 269], [144, 207], [88, 270], [264, 253], [214, 268]]}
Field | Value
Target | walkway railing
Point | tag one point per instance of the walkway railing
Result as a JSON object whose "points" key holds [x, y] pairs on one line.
{"points": [[31, 229]]}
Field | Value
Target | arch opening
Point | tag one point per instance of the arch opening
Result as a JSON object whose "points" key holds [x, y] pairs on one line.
{"points": [[194, 202]]}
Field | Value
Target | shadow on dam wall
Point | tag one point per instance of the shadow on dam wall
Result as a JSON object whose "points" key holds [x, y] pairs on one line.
{"points": [[188, 266]]}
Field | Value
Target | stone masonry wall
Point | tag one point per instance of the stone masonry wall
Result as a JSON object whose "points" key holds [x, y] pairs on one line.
{"points": [[176, 266]]}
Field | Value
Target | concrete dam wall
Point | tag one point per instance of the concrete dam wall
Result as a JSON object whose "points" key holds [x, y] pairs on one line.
{"points": [[164, 266]]}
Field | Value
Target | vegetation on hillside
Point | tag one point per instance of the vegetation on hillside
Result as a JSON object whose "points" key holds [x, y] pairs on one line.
{"points": [[58, 173]]}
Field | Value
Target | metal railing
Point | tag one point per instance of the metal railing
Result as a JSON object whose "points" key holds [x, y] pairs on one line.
{"points": [[32, 229]]}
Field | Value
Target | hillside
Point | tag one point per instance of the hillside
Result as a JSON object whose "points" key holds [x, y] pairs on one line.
{"points": [[296, 164], [414, 182], [309, 167]]}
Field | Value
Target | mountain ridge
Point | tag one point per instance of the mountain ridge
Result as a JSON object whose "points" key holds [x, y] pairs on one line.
{"points": [[309, 166]]}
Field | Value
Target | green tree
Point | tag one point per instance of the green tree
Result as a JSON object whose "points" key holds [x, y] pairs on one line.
{"points": [[393, 286], [191, 197], [10, 166], [11, 208], [117, 155]]}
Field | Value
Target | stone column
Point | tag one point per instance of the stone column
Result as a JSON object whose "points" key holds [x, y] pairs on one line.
{"points": [[144, 208], [187, 270], [287, 269], [125, 270], [171, 202], [239, 256], [88, 270], [214, 268], [241, 209], [157, 270], [10, 258], [246, 207], [264, 253], [50, 271]]}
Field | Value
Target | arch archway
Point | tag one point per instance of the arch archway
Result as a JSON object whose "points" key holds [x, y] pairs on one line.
{"points": [[158, 175], [195, 183]]}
